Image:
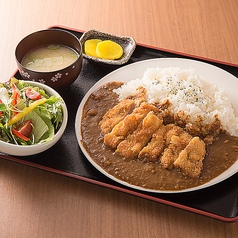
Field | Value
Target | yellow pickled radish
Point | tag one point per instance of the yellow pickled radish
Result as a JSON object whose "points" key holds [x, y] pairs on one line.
{"points": [[90, 47], [109, 50]]}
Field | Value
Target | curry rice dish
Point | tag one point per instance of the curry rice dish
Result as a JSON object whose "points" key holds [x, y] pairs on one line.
{"points": [[145, 145]]}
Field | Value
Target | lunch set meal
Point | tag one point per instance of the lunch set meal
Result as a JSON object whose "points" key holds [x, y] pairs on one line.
{"points": [[28, 115], [161, 132], [170, 130]]}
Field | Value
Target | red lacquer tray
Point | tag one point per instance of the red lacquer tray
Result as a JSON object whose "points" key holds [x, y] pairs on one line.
{"points": [[65, 157]]}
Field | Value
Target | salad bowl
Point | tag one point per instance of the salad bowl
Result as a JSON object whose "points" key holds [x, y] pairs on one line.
{"points": [[44, 143]]}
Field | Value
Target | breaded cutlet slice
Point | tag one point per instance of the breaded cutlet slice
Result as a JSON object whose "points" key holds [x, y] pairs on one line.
{"points": [[155, 147], [128, 125], [190, 160], [132, 145], [121, 110], [116, 114], [177, 143]]}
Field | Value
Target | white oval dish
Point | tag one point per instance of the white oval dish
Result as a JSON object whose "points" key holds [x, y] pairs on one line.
{"points": [[215, 75], [25, 150]]}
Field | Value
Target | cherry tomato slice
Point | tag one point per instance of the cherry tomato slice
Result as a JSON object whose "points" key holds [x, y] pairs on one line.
{"points": [[32, 94], [25, 128], [15, 132], [1, 102], [15, 97]]}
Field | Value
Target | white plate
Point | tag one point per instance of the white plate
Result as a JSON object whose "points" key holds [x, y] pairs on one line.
{"points": [[211, 73]]}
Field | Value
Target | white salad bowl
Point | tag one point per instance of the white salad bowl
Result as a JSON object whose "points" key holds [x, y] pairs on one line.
{"points": [[25, 150]]}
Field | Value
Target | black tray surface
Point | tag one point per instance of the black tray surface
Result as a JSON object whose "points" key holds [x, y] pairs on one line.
{"points": [[65, 157]]}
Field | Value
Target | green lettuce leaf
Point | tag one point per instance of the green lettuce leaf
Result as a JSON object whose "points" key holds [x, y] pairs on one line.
{"points": [[49, 135], [39, 125]]}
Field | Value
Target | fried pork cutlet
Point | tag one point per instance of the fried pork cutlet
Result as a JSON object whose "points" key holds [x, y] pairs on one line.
{"points": [[172, 130], [116, 114], [178, 141], [140, 95], [128, 125], [190, 159], [132, 145], [155, 147], [121, 110], [161, 139]]}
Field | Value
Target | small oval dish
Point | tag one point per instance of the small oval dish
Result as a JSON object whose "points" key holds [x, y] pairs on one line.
{"points": [[46, 140], [127, 43]]}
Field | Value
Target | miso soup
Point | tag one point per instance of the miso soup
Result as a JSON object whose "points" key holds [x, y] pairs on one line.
{"points": [[49, 58]]}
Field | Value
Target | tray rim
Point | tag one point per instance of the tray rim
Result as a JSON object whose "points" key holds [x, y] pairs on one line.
{"points": [[118, 188], [121, 189]]}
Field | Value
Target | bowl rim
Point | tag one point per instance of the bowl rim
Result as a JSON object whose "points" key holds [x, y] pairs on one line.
{"points": [[38, 148], [53, 71]]}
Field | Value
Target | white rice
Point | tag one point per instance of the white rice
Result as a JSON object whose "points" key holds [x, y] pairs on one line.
{"points": [[187, 92]]}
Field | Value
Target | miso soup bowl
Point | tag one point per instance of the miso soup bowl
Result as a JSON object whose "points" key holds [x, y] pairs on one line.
{"points": [[60, 79]]}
